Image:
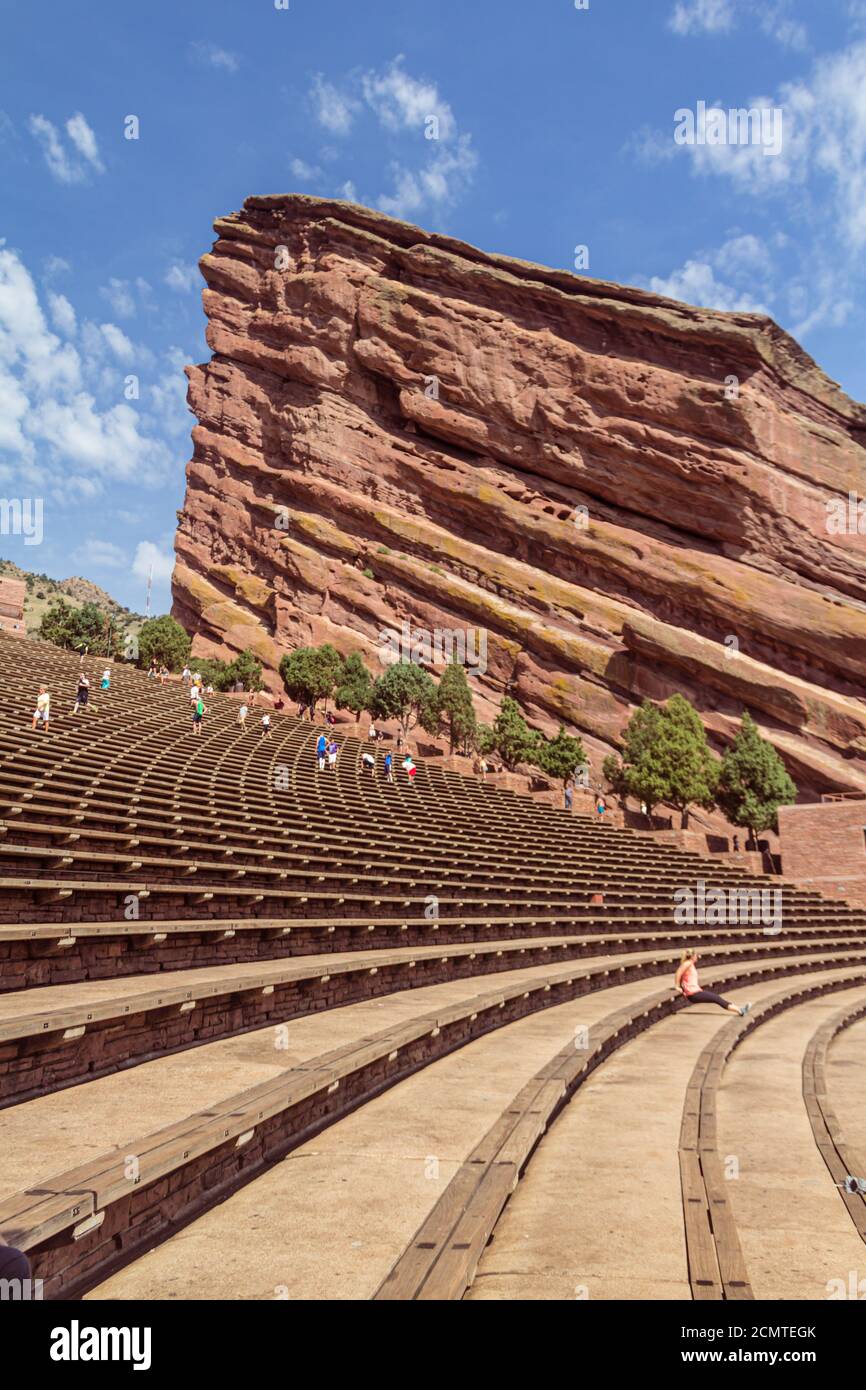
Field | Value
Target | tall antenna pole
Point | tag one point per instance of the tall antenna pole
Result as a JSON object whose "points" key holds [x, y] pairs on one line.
{"points": [[149, 587]]}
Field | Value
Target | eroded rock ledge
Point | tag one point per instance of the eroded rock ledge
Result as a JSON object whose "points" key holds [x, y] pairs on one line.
{"points": [[702, 562]]}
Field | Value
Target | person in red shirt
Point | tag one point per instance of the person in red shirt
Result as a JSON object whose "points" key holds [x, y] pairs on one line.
{"points": [[686, 981]]}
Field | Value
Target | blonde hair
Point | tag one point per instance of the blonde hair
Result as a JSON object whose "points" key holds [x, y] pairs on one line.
{"points": [[687, 954]]}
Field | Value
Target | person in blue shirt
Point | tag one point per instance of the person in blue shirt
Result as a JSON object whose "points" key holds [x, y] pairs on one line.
{"points": [[321, 750], [389, 768]]}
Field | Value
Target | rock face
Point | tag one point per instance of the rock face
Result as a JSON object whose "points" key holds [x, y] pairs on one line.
{"points": [[623, 495]]}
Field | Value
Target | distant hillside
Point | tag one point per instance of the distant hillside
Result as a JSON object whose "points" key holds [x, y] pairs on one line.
{"points": [[42, 592]]}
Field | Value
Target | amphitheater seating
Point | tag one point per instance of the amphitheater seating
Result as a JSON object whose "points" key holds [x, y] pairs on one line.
{"points": [[164, 895]]}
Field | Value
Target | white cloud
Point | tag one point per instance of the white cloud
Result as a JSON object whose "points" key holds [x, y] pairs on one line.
{"points": [[56, 265], [210, 55], [126, 296], [120, 297], [107, 441], [440, 182], [821, 164], [402, 102], [438, 163], [824, 143], [166, 396], [735, 276], [333, 109], [62, 314], [63, 420], [348, 191], [302, 170], [84, 141], [67, 166], [148, 554], [99, 555], [703, 16], [117, 341], [182, 278], [716, 17], [55, 155], [696, 283], [742, 276]]}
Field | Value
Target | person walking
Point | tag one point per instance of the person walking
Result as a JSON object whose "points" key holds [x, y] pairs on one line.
{"points": [[266, 723], [42, 712], [332, 754], [82, 694], [368, 763], [105, 683], [409, 767], [186, 675], [198, 714], [686, 981], [568, 796], [389, 768], [321, 752], [242, 716], [601, 807]]}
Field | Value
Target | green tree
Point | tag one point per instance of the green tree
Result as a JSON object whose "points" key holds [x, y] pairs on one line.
{"points": [[666, 758], [454, 707], [405, 692], [355, 686], [212, 671], [514, 741], [614, 772], [164, 641], [484, 739], [561, 756], [753, 781], [245, 668], [79, 628], [310, 674]]}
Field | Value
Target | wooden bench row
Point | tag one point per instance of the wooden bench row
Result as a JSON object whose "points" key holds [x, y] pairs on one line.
{"points": [[83, 1223]]}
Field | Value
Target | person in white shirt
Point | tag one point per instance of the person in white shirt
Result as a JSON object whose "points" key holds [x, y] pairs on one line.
{"points": [[42, 712]]}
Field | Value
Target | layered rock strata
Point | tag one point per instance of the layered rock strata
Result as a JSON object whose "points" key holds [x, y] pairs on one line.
{"points": [[626, 496]]}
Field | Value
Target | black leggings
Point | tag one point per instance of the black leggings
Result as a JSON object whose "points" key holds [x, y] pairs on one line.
{"points": [[706, 996]]}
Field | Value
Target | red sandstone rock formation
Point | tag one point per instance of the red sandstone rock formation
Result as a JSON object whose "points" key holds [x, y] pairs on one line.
{"points": [[382, 399]]}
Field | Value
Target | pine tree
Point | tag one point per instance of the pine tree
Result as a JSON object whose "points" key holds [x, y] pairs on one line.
{"points": [[355, 686], [245, 668], [514, 741], [454, 706], [666, 758], [561, 756], [753, 782], [405, 692], [310, 674], [164, 641]]}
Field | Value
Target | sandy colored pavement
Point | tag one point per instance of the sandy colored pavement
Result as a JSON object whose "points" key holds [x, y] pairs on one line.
{"points": [[598, 1213], [846, 1088], [331, 1218], [794, 1230], [41, 1137]]}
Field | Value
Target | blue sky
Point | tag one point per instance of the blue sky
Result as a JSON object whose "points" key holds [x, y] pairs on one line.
{"points": [[556, 128]]}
